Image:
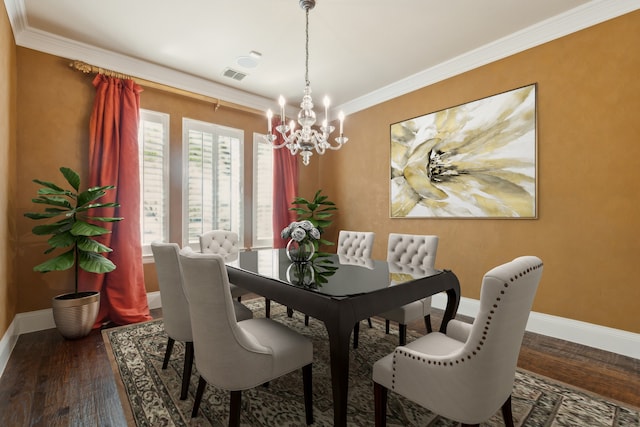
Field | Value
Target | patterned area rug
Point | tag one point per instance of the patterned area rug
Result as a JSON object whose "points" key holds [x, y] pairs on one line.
{"points": [[150, 394]]}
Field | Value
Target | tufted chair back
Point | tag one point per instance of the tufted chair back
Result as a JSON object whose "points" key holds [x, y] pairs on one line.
{"points": [[222, 242], [412, 249], [355, 243], [468, 374]]}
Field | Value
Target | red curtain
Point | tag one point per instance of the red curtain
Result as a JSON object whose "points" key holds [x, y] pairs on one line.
{"points": [[113, 160], [285, 189]]}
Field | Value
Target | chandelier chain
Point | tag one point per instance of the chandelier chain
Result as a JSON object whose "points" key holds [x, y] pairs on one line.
{"points": [[306, 63]]}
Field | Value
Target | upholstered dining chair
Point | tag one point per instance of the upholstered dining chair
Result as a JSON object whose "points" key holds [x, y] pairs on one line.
{"points": [[418, 250], [234, 355], [227, 244], [355, 244], [468, 373], [175, 307]]}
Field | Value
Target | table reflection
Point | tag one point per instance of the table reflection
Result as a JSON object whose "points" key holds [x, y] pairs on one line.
{"points": [[332, 275]]}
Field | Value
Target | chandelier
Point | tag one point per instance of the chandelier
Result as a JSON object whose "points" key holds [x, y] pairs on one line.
{"points": [[305, 139]]}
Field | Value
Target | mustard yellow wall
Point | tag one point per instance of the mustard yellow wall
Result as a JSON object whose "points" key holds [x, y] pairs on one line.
{"points": [[588, 230], [8, 291], [53, 113]]}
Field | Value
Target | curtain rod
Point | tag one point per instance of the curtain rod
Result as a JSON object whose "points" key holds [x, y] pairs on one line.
{"points": [[88, 69]]}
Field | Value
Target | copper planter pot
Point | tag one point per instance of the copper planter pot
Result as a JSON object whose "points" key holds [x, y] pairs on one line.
{"points": [[75, 314]]}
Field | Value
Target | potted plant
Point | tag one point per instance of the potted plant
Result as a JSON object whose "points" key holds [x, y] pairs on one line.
{"points": [[73, 232], [318, 211]]}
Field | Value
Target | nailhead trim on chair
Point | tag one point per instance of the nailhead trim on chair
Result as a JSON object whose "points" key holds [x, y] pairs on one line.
{"points": [[480, 343]]}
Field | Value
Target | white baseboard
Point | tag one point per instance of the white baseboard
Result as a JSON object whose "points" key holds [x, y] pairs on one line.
{"points": [[7, 343], [153, 299], [602, 337], [609, 339]]}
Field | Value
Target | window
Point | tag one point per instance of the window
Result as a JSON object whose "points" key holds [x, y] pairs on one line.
{"points": [[262, 192], [153, 141], [213, 184]]}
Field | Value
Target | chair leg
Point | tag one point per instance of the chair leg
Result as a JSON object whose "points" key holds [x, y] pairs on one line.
{"points": [[167, 353], [307, 384], [234, 411], [369, 320], [506, 412], [186, 371], [202, 384], [267, 308], [403, 334], [239, 299], [427, 323], [386, 326], [289, 312], [356, 333], [380, 404], [306, 320]]}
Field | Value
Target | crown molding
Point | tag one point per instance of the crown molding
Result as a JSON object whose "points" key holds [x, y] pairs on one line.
{"points": [[577, 19], [42, 41], [590, 14]]}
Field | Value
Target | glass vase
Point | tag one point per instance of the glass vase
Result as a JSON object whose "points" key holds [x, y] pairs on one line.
{"points": [[300, 251], [301, 274]]}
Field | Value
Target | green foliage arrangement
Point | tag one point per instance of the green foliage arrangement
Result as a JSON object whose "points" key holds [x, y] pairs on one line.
{"points": [[318, 211], [75, 229]]}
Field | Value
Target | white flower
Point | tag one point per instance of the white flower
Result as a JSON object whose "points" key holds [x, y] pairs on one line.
{"points": [[300, 231], [298, 234], [306, 224], [314, 233]]}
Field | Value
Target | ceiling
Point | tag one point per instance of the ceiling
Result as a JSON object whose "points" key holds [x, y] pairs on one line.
{"points": [[361, 52]]}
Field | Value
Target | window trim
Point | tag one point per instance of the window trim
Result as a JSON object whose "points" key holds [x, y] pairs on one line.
{"points": [[164, 120], [258, 138]]}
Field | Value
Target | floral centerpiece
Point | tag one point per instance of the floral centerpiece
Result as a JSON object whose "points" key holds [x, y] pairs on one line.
{"points": [[303, 237]]}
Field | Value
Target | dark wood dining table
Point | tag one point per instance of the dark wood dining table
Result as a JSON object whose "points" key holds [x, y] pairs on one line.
{"points": [[358, 289]]}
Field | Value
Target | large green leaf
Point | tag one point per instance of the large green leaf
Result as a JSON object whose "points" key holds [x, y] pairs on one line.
{"points": [[89, 245], [81, 228], [55, 228], [71, 176], [59, 263], [62, 240], [95, 263], [50, 185], [322, 215], [106, 218], [97, 205], [300, 211], [41, 215], [331, 207], [90, 195], [54, 200]]}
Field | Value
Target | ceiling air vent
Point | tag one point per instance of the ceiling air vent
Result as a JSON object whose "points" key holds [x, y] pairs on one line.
{"points": [[233, 74]]}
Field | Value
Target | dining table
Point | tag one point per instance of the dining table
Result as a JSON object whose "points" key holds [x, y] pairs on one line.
{"points": [[340, 291]]}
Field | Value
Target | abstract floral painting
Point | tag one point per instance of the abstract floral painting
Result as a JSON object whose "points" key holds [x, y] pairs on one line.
{"points": [[476, 160]]}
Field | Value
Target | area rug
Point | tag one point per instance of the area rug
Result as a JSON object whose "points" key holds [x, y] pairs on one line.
{"points": [[150, 395]]}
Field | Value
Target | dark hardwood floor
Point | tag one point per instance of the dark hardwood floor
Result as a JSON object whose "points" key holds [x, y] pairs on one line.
{"points": [[50, 381]]}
